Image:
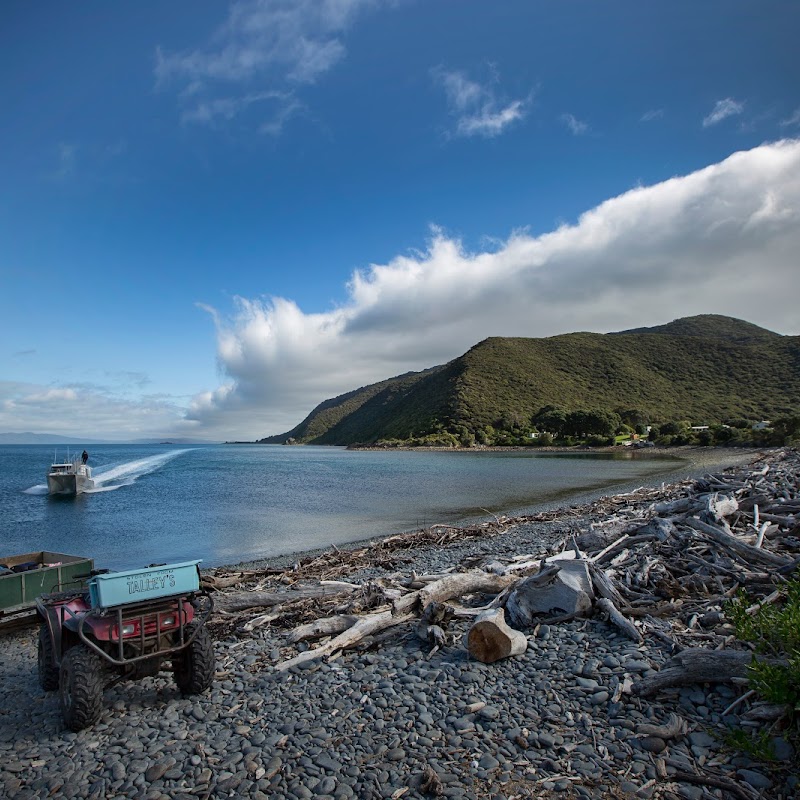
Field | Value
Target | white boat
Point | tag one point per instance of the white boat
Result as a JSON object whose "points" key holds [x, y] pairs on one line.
{"points": [[69, 477]]}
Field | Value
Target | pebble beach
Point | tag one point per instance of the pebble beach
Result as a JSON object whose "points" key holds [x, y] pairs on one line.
{"points": [[380, 723]]}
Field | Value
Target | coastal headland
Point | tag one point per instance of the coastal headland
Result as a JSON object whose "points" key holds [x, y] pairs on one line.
{"points": [[396, 717]]}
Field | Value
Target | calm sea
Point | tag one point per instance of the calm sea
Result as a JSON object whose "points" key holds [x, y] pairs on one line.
{"points": [[229, 503]]}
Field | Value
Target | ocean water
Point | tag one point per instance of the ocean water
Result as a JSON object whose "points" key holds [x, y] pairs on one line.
{"points": [[229, 503]]}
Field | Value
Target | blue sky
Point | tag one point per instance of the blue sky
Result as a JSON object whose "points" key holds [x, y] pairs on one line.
{"points": [[214, 216]]}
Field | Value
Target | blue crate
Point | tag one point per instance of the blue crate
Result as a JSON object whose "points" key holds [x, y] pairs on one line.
{"points": [[140, 585]]}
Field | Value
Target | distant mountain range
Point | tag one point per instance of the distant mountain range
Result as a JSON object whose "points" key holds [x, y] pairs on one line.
{"points": [[46, 438], [704, 369], [51, 438]]}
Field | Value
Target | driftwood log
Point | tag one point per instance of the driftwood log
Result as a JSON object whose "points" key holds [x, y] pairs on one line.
{"points": [[700, 665], [241, 601], [742, 550], [490, 638], [366, 626], [327, 626]]}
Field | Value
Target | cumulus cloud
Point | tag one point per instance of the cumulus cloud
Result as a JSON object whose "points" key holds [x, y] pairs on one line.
{"points": [[476, 107], [722, 110], [263, 44], [722, 240]]}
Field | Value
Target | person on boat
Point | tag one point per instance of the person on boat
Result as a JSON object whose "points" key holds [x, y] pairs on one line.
{"points": [[84, 457]]}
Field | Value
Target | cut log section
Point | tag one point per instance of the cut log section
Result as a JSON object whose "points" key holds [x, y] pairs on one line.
{"points": [[490, 638]]}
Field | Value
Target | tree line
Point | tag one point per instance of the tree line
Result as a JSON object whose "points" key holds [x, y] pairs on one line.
{"points": [[553, 425]]}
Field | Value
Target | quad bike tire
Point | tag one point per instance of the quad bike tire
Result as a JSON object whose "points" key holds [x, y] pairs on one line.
{"points": [[194, 666], [80, 687], [48, 671]]}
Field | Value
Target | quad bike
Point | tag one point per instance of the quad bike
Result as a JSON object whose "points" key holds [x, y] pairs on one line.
{"points": [[124, 626]]}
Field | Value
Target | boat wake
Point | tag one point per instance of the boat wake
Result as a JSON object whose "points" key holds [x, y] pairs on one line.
{"points": [[111, 478], [108, 479]]}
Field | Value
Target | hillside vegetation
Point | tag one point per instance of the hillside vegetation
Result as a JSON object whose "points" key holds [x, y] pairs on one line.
{"points": [[702, 370]]}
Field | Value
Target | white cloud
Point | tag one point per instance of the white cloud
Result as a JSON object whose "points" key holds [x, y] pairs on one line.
{"points": [[578, 127], [720, 240], [262, 45], [722, 110], [89, 411], [477, 109], [46, 397]]}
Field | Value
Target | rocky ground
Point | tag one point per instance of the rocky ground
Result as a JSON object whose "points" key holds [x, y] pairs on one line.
{"points": [[391, 721]]}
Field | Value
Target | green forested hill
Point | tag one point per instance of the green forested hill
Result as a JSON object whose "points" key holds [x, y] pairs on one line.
{"points": [[704, 369]]}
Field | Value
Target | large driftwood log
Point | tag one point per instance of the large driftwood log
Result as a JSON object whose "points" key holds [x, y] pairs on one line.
{"points": [[490, 638], [239, 601], [456, 585], [366, 626], [561, 588], [326, 626], [699, 665]]}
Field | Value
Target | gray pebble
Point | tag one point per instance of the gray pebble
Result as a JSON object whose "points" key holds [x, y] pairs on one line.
{"points": [[756, 779], [782, 749], [652, 744], [701, 739]]}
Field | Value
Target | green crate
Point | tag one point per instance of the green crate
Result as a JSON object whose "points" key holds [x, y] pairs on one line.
{"points": [[19, 590]]}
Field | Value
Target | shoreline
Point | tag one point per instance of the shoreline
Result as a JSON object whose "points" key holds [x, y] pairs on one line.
{"points": [[695, 462], [396, 719]]}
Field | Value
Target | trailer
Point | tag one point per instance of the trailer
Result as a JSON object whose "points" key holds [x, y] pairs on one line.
{"points": [[26, 576]]}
